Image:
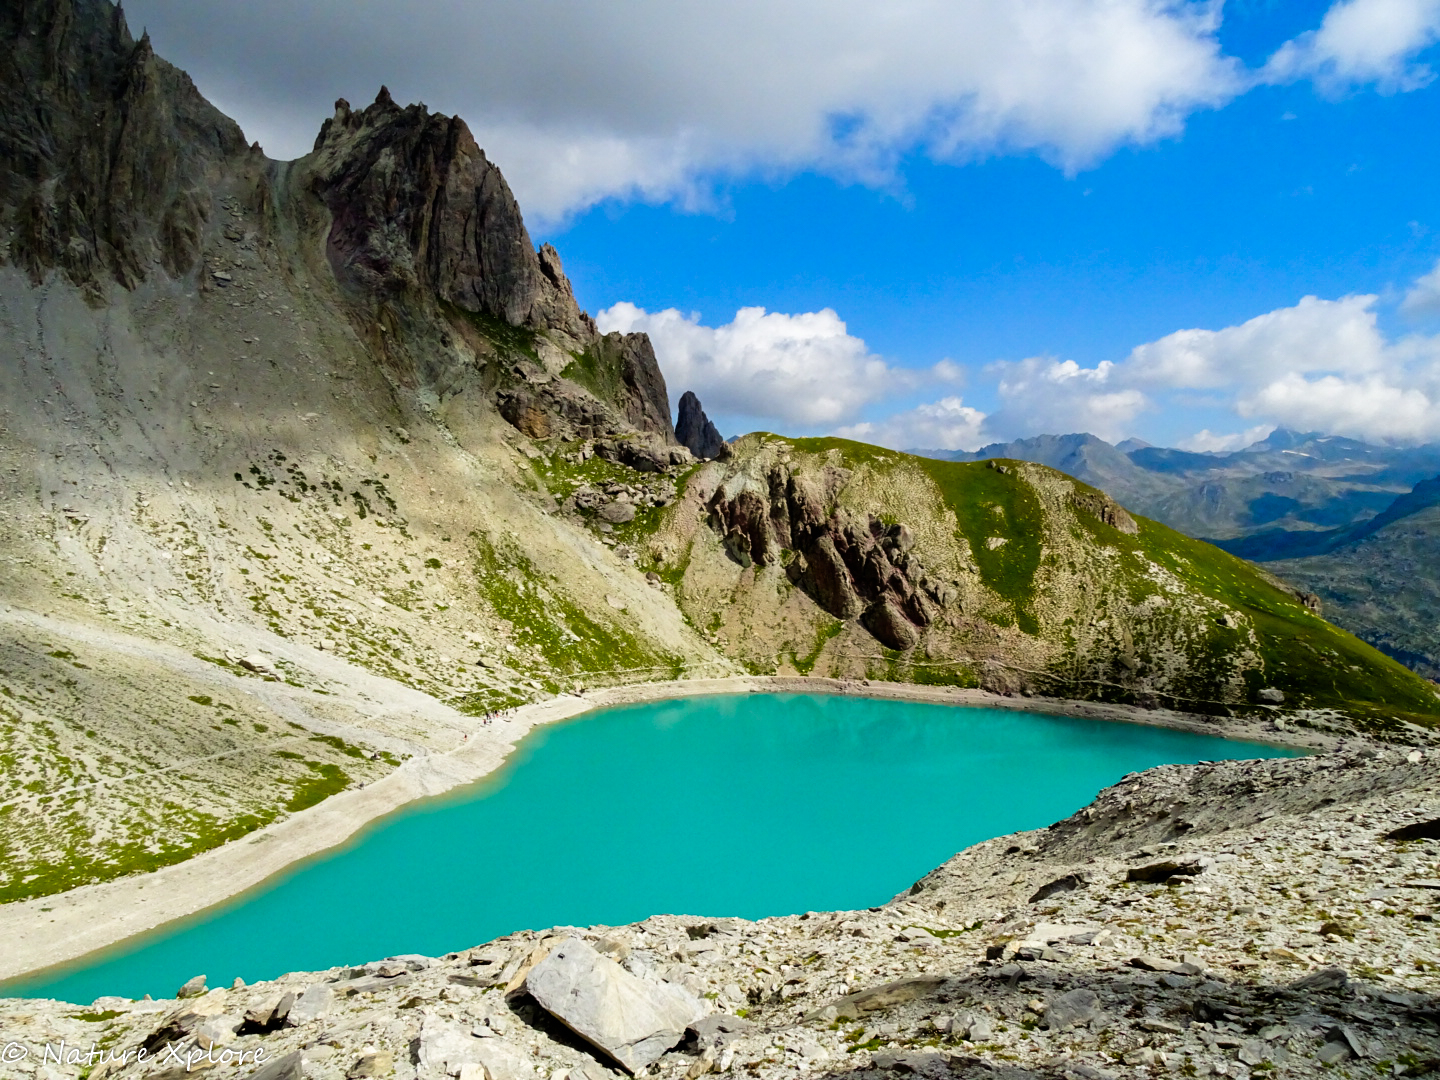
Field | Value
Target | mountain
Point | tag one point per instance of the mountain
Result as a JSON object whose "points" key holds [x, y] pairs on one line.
{"points": [[305, 465], [1289, 482], [1378, 579]]}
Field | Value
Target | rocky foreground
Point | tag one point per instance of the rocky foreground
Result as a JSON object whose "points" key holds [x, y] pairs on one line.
{"points": [[1222, 919]]}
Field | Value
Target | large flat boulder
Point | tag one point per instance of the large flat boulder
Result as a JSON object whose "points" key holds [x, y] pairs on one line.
{"points": [[630, 1019]]}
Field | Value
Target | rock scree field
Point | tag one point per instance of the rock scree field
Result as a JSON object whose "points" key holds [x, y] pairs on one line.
{"points": [[307, 466]]}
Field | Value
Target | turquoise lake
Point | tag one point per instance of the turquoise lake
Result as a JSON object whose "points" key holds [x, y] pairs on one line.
{"points": [[746, 805]]}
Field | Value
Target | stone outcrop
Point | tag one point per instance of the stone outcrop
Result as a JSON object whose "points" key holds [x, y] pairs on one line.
{"points": [[852, 566], [694, 429], [107, 152], [115, 168]]}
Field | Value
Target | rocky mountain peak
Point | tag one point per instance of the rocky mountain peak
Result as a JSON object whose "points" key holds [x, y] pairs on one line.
{"points": [[694, 429], [417, 208]]}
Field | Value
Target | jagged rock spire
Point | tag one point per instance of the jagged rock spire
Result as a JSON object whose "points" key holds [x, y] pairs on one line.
{"points": [[694, 429]]}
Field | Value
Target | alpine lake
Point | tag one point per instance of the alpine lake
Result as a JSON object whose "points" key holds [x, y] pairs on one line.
{"points": [[741, 805]]}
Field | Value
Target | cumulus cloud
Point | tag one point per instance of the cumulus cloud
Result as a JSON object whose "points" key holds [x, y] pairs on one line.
{"points": [[947, 424], [1319, 365], [580, 100], [805, 369], [1423, 297], [1314, 335], [1208, 442], [1363, 41], [1042, 394]]}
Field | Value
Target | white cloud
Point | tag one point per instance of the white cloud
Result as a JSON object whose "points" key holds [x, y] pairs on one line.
{"points": [[947, 424], [1042, 394], [642, 98], [1314, 335], [1320, 365], [802, 369], [1423, 297], [1363, 41], [1207, 441], [1377, 408]]}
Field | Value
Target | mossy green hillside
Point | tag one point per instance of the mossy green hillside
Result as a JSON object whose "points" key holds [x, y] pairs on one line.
{"points": [[554, 638]]}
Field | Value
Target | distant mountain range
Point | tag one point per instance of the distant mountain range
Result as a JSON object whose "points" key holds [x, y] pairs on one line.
{"points": [[1355, 523]]}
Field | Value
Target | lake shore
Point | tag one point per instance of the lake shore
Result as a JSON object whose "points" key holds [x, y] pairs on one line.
{"points": [[54, 930]]}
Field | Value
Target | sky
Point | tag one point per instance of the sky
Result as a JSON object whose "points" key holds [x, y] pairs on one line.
{"points": [[936, 224]]}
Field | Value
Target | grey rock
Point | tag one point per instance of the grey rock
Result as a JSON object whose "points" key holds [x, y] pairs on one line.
{"points": [[1165, 870], [289, 1067], [310, 1005], [1253, 1052], [1068, 883], [886, 995], [1168, 967], [618, 512], [1333, 1052], [1330, 978], [444, 1047], [192, 988], [1078, 1006], [981, 1029], [713, 1029], [694, 429], [1271, 695], [502, 1060], [633, 1020]]}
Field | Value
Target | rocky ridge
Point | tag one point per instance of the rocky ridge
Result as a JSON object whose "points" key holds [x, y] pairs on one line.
{"points": [[1298, 940]]}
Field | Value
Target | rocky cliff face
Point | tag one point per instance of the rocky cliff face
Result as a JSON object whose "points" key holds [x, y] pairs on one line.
{"points": [[418, 212], [108, 155], [112, 163]]}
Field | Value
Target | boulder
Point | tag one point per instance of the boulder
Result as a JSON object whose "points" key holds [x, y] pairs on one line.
{"points": [[289, 1067], [618, 512], [1271, 695], [1078, 1006], [310, 1005], [196, 986], [1164, 871], [633, 1020]]}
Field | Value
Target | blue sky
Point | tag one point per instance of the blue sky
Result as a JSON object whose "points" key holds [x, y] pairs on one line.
{"points": [[1013, 244]]}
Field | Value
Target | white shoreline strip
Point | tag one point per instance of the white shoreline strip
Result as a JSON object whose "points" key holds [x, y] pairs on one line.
{"points": [[52, 930]]}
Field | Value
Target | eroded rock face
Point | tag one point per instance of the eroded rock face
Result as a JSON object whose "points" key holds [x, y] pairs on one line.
{"points": [[851, 566], [107, 152]]}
